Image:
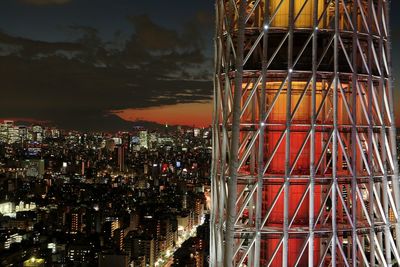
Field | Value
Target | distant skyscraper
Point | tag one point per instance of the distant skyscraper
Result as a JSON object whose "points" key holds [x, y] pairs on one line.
{"points": [[143, 137], [121, 158], [304, 166], [76, 222]]}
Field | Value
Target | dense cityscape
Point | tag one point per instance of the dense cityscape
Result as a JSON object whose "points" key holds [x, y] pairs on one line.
{"points": [[138, 198]]}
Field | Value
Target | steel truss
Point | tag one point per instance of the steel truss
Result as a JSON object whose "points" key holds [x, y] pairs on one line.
{"points": [[304, 163]]}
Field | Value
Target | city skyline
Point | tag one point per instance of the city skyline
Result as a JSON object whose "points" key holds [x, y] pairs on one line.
{"points": [[103, 199], [80, 65]]}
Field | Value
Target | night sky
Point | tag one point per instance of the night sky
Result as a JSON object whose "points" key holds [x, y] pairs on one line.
{"points": [[99, 64]]}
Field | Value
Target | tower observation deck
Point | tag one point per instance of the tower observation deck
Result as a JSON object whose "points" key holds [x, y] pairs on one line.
{"points": [[305, 170]]}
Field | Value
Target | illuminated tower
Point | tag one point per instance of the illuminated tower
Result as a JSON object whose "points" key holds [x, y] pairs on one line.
{"points": [[304, 163]]}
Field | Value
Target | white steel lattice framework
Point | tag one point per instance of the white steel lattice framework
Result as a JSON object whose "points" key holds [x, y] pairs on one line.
{"points": [[305, 170]]}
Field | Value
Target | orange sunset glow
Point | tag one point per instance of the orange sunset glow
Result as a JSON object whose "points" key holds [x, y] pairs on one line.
{"points": [[191, 114]]}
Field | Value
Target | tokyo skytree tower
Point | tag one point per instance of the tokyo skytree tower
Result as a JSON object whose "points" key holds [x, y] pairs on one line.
{"points": [[305, 169]]}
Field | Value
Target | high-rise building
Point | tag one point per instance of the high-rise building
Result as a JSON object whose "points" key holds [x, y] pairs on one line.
{"points": [[138, 245], [121, 158], [23, 133], [115, 224], [119, 235], [3, 132], [13, 135], [76, 222], [304, 166], [152, 140], [37, 133], [143, 137]]}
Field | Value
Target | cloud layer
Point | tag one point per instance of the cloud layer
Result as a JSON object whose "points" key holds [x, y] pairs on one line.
{"points": [[77, 84]]}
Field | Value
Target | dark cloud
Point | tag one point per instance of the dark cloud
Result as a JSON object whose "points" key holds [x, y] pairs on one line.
{"points": [[76, 84], [45, 2]]}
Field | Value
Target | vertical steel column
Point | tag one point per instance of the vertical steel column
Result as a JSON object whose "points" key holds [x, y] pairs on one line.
{"points": [[251, 183], [234, 160], [260, 173], [215, 146], [383, 143], [354, 184], [311, 205], [335, 134], [370, 148], [227, 18], [224, 99], [285, 245]]}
